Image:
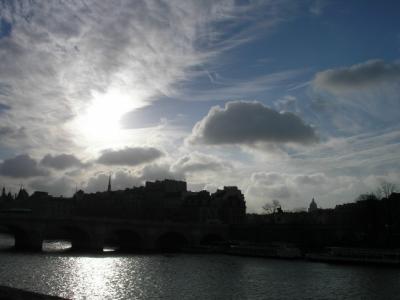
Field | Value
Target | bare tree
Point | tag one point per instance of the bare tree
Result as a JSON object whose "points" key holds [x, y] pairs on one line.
{"points": [[364, 197], [271, 207], [386, 189]]}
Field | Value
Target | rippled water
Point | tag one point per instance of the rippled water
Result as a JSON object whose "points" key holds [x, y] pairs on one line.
{"points": [[185, 276]]}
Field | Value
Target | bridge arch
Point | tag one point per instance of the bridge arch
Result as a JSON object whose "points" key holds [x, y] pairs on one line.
{"points": [[124, 240], [171, 241], [7, 237], [24, 238]]}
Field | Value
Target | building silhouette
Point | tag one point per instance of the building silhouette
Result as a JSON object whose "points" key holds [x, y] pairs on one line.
{"points": [[365, 223], [166, 200]]}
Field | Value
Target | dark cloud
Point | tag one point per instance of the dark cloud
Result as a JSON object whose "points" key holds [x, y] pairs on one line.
{"points": [[129, 156], [365, 75], [21, 166], [61, 162], [249, 123], [3, 107], [8, 131]]}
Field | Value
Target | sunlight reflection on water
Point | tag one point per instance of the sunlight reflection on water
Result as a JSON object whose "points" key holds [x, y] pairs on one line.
{"points": [[96, 275], [182, 276]]}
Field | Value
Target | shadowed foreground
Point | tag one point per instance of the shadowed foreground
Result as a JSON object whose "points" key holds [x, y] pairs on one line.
{"points": [[7, 293]]}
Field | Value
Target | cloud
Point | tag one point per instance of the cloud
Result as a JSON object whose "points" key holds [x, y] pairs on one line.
{"points": [[198, 162], [125, 179], [11, 132], [269, 186], [163, 111], [247, 123], [11, 135], [317, 7], [119, 181], [59, 58], [160, 172], [3, 107], [129, 156], [21, 166], [316, 179], [293, 190], [333, 172], [61, 161], [369, 74], [193, 165], [357, 99], [287, 103], [368, 153], [64, 186], [225, 89]]}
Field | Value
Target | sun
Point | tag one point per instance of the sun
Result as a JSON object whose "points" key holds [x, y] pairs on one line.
{"points": [[99, 125]]}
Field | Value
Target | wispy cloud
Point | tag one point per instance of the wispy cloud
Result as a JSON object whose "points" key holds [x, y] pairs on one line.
{"points": [[223, 89], [57, 55]]}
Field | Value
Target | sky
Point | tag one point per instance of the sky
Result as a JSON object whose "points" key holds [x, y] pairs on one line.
{"points": [[288, 100]]}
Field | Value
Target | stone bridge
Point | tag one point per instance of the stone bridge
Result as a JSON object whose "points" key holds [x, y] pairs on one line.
{"points": [[93, 234]]}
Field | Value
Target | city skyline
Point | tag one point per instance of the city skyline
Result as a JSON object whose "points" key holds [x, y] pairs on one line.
{"points": [[286, 100]]}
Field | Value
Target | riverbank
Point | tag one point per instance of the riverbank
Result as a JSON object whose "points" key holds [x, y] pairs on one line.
{"points": [[8, 293], [384, 257]]}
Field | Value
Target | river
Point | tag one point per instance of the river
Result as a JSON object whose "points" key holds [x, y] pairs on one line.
{"points": [[189, 276]]}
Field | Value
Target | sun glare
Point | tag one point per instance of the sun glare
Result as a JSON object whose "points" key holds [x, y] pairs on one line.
{"points": [[99, 125]]}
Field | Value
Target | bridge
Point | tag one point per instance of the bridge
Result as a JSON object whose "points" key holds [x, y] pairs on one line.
{"points": [[94, 234]]}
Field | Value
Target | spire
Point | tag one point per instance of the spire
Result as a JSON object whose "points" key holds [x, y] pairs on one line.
{"points": [[109, 184], [3, 192]]}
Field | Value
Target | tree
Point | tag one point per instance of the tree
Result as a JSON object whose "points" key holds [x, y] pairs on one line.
{"points": [[365, 197], [272, 207], [386, 189]]}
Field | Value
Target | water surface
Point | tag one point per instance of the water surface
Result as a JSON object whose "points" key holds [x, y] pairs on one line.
{"points": [[187, 276]]}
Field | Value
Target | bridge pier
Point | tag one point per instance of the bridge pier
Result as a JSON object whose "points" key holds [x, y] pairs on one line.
{"points": [[93, 246], [28, 242]]}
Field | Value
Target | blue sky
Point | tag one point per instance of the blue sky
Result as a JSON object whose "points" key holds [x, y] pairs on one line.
{"points": [[289, 100]]}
